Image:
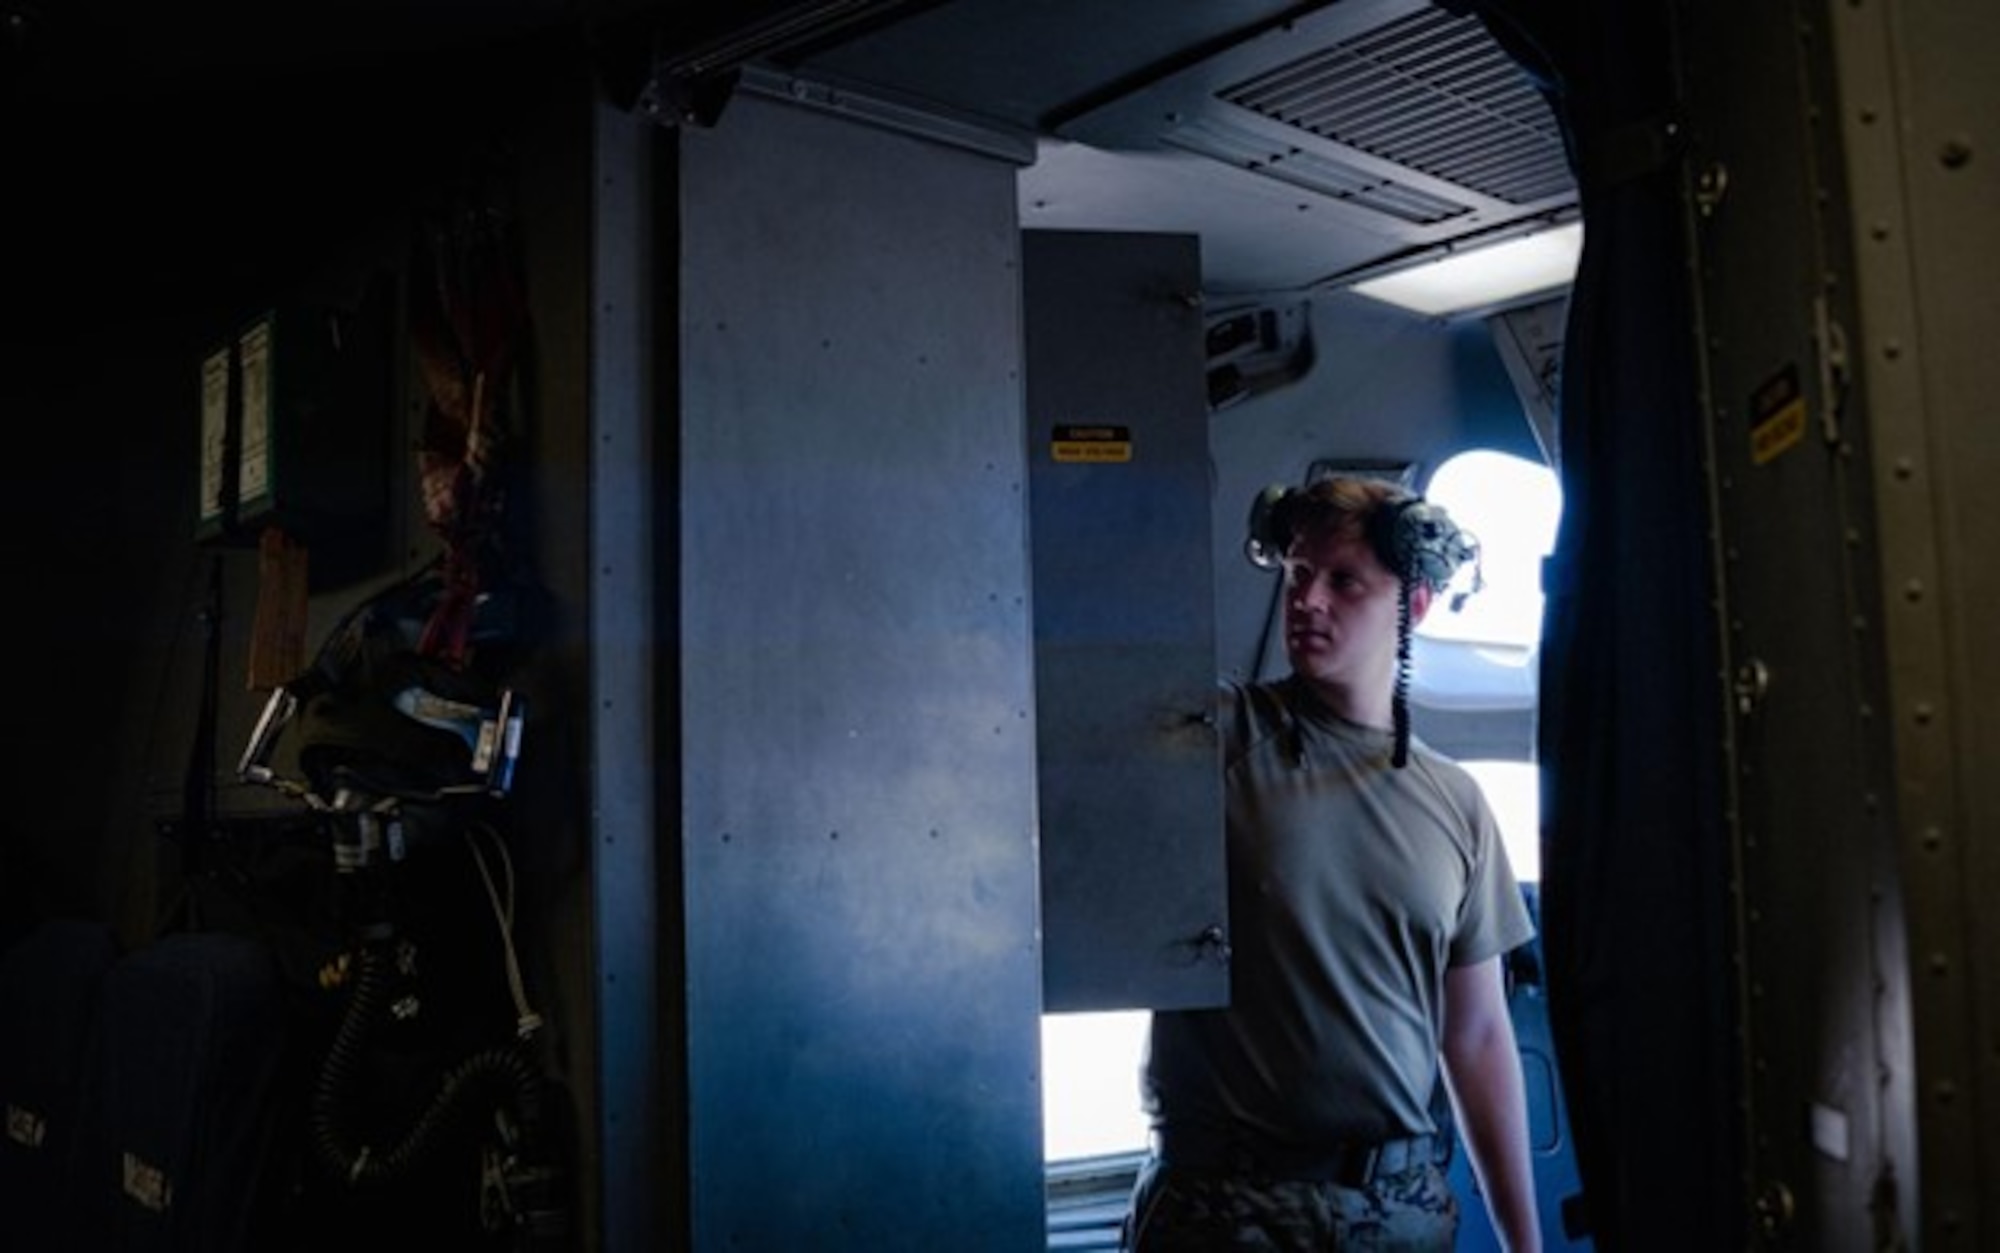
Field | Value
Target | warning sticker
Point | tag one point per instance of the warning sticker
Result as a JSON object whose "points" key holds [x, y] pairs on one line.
{"points": [[1091, 443], [148, 1184], [1777, 416], [25, 1127]]}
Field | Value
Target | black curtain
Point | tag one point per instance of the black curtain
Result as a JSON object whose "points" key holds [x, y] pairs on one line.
{"points": [[1636, 865]]}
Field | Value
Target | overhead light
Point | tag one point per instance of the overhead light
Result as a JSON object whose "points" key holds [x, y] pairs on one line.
{"points": [[1482, 278]]}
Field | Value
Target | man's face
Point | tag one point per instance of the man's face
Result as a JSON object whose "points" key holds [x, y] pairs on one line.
{"points": [[1341, 610]]}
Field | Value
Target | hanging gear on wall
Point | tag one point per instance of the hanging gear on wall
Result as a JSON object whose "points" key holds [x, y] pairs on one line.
{"points": [[403, 735], [374, 716], [402, 753], [405, 701], [468, 325]]}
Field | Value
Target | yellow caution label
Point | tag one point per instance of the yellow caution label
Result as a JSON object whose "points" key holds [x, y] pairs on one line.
{"points": [[1777, 416], [1100, 444]]}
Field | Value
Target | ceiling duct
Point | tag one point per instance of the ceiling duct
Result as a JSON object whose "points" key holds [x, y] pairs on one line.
{"points": [[1316, 172], [1429, 91], [1409, 120]]}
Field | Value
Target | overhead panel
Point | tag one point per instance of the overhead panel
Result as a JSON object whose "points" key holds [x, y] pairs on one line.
{"points": [[1408, 121]]}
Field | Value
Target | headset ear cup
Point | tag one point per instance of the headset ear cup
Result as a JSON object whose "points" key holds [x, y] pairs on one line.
{"points": [[1269, 530], [1419, 541]]}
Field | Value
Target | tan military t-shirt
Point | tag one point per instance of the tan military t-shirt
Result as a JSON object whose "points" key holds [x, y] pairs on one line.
{"points": [[1353, 886]]}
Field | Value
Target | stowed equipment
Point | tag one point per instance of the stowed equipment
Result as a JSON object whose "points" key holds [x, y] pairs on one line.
{"points": [[402, 752]]}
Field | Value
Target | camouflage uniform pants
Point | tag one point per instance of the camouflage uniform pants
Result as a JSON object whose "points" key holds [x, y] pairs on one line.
{"points": [[1183, 1211]]}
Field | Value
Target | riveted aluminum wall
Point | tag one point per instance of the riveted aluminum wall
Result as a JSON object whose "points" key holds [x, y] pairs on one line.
{"points": [[857, 725], [1840, 209], [1919, 112], [1828, 1071]]}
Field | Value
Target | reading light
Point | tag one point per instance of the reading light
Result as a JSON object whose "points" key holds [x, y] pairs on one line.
{"points": [[1481, 278]]}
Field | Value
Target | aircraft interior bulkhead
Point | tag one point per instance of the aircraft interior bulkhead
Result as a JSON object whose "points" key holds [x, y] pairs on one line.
{"points": [[617, 603]]}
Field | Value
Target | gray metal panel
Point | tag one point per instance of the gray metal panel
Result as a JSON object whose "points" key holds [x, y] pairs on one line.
{"points": [[1149, 144], [623, 678], [1295, 115], [1830, 1078], [1921, 118], [858, 814], [1130, 786]]}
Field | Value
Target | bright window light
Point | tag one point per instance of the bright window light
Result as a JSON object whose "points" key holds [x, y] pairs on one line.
{"points": [[1480, 278], [1511, 505], [1090, 1084], [1513, 790]]}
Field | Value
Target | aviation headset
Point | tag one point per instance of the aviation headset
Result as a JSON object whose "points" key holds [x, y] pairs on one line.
{"points": [[1413, 538]]}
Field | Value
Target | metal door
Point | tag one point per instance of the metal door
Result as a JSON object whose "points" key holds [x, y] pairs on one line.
{"points": [[855, 734], [1133, 897]]}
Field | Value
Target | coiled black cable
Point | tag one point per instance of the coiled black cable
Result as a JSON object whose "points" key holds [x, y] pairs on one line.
{"points": [[491, 1078], [1400, 703]]}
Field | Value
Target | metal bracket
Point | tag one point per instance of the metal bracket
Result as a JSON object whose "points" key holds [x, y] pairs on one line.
{"points": [[1711, 188], [1753, 684]]}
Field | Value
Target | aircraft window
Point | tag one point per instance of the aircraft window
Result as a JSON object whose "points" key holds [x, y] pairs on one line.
{"points": [[1513, 789], [1090, 1084], [1512, 506]]}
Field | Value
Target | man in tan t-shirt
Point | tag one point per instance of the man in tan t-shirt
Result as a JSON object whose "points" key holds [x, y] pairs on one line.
{"points": [[1371, 903]]}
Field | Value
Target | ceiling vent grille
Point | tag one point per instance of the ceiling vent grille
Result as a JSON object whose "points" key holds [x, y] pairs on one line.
{"points": [[1313, 171], [1430, 91]]}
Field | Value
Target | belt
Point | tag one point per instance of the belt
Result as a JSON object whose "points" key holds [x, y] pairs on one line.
{"points": [[1350, 1165]]}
